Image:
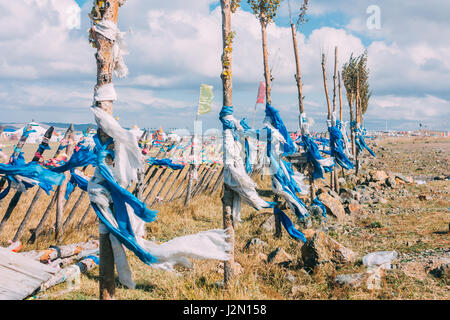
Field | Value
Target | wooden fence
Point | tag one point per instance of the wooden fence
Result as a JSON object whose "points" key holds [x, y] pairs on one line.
{"points": [[34, 217]]}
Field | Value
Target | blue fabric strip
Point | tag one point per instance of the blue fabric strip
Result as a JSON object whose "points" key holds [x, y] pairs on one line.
{"points": [[121, 197], [313, 155], [337, 148], [45, 177], [318, 203], [164, 162], [278, 124], [289, 226]]}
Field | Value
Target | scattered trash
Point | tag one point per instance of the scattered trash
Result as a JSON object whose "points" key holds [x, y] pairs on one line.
{"points": [[14, 246]]}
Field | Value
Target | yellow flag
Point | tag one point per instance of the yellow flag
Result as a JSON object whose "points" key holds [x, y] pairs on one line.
{"points": [[206, 99]]}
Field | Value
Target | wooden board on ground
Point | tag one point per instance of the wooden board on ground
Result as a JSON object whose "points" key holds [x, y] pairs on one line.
{"points": [[21, 276]]}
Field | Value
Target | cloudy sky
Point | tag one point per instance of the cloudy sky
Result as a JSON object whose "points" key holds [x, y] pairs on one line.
{"points": [[48, 70]]}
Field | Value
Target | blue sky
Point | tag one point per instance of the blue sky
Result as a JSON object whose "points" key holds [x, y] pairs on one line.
{"points": [[47, 68]]}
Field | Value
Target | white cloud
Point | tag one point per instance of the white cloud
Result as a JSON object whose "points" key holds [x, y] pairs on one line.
{"points": [[174, 47]]}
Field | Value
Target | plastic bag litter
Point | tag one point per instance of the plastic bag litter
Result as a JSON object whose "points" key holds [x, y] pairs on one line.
{"points": [[382, 259]]}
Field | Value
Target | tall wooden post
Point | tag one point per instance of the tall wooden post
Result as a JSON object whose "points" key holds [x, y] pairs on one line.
{"points": [[335, 171], [18, 194], [61, 190], [340, 96], [358, 117], [267, 76], [340, 110], [227, 200], [298, 76], [192, 168], [105, 66], [350, 96], [324, 75], [138, 192], [301, 106], [16, 153], [264, 22]]}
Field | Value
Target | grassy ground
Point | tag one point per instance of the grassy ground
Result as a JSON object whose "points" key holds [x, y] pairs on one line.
{"points": [[404, 223]]}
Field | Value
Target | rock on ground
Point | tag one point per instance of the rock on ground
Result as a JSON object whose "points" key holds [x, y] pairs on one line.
{"points": [[279, 256], [255, 243], [321, 249], [333, 206], [268, 224]]}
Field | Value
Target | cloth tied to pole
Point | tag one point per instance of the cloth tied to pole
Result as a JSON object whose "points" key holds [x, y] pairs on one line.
{"points": [[235, 175], [285, 182], [123, 216]]}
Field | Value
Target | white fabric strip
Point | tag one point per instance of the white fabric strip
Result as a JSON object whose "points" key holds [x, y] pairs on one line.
{"points": [[209, 244], [105, 93], [235, 175], [109, 30], [277, 140], [128, 157]]}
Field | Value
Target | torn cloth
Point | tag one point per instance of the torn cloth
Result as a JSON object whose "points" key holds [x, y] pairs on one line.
{"points": [[285, 182], [235, 175], [123, 216]]}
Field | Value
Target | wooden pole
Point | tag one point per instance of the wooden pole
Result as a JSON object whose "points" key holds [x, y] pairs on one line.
{"points": [[61, 190], [334, 173], [86, 212], [172, 184], [192, 168], [15, 154], [140, 174], [174, 195], [357, 119], [298, 77], [105, 66], [325, 86], [18, 194], [79, 201], [227, 200], [352, 133], [40, 225], [340, 96], [218, 181], [203, 181], [328, 105], [43, 146], [267, 76], [340, 111]]}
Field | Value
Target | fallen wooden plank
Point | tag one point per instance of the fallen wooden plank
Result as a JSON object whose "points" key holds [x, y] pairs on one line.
{"points": [[21, 276]]}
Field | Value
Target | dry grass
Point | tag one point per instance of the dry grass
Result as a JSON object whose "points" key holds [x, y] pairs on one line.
{"points": [[404, 223]]}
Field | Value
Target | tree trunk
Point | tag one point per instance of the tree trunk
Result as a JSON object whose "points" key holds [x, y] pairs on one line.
{"points": [[266, 58], [325, 86], [352, 133], [105, 66], [357, 109], [329, 108], [340, 96], [298, 76], [227, 200], [335, 170]]}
